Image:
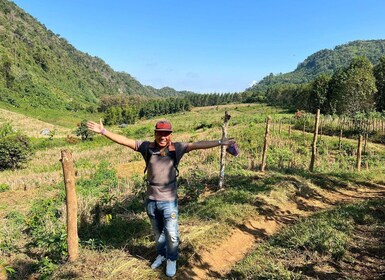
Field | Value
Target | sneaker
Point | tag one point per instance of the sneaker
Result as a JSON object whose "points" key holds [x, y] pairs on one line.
{"points": [[158, 261], [171, 268]]}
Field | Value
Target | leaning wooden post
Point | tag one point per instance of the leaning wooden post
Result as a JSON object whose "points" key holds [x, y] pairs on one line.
{"points": [[359, 152], [314, 144], [265, 144], [223, 151], [71, 203]]}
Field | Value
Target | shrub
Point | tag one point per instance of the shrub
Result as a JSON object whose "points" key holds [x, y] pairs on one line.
{"points": [[71, 139], [15, 151], [5, 130], [46, 267], [203, 125], [83, 131]]}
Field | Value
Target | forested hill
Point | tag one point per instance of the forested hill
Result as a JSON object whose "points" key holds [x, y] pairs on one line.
{"points": [[39, 69], [325, 61]]}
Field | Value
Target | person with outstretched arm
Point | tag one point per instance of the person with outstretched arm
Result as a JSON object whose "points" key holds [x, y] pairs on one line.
{"points": [[162, 157]]}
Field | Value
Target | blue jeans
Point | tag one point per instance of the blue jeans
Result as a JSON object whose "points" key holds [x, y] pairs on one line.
{"points": [[164, 221]]}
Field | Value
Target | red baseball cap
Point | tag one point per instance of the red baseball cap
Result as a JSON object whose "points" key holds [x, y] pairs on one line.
{"points": [[163, 126]]}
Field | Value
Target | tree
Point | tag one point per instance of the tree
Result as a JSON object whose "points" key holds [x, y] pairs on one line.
{"points": [[129, 114], [379, 73], [300, 97], [318, 93], [352, 89], [113, 115]]}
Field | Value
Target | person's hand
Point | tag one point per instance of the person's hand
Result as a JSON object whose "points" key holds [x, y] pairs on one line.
{"points": [[227, 141], [95, 127]]}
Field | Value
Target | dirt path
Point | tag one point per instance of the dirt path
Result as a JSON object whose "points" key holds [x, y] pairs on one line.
{"points": [[217, 262]]}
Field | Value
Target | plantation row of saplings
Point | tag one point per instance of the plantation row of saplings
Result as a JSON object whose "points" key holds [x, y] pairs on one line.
{"points": [[274, 127]]}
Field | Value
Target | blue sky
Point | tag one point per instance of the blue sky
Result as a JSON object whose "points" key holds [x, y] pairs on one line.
{"points": [[207, 46]]}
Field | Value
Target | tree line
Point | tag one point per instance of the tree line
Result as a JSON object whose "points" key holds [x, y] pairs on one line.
{"points": [[120, 109]]}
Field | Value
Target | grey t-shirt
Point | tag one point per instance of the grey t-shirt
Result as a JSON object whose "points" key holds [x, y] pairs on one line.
{"points": [[161, 173]]}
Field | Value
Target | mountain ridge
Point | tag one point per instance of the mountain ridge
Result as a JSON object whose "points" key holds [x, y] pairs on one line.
{"points": [[325, 61], [40, 69]]}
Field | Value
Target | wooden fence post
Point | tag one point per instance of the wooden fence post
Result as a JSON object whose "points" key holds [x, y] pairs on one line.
{"points": [[223, 151], [314, 144], [359, 152], [255, 159], [71, 203], [289, 129], [265, 144]]}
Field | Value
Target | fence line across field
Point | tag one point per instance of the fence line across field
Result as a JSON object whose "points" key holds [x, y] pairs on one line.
{"points": [[320, 123]]}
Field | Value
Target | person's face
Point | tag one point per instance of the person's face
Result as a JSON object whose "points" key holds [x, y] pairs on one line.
{"points": [[162, 138]]}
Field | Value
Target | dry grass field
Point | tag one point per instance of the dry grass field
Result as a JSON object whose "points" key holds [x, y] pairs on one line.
{"points": [[30, 126]]}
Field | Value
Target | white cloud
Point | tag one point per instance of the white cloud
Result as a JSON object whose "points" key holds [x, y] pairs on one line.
{"points": [[253, 83]]}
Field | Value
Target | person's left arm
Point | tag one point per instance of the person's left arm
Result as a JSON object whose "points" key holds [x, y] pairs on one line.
{"points": [[208, 144]]}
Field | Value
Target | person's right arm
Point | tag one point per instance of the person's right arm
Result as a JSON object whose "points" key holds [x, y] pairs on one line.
{"points": [[99, 128]]}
